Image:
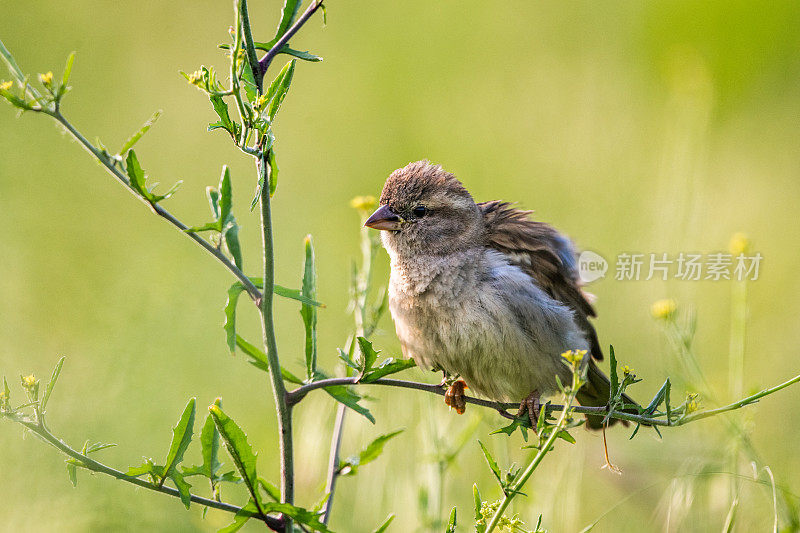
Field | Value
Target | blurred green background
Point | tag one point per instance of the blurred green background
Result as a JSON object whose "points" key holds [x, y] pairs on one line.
{"points": [[634, 127]]}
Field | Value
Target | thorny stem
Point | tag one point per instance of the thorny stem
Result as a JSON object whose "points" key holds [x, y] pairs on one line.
{"points": [[276, 524], [112, 169], [267, 59], [283, 407]]}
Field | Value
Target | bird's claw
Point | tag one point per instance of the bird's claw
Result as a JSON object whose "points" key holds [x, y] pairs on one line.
{"points": [[454, 397], [532, 404]]}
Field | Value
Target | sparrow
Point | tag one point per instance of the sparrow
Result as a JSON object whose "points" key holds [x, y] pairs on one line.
{"points": [[483, 292]]}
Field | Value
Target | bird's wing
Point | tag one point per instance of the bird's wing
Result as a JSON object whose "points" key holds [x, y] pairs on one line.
{"points": [[545, 255]]}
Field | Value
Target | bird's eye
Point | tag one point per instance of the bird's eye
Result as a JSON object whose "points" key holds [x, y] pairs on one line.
{"points": [[420, 211]]}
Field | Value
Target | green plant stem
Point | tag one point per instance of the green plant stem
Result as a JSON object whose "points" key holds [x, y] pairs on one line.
{"points": [[41, 431], [282, 407], [251, 289], [250, 46], [544, 449], [333, 462], [736, 405]]}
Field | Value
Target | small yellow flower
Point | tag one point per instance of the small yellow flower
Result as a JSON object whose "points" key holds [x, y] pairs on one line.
{"points": [[364, 203], [6, 85], [195, 77], [664, 309], [739, 244], [29, 381], [627, 371], [574, 356], [46, 79], [261, 102], [692, 402]]}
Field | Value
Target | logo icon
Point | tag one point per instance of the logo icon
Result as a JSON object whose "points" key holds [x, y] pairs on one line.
{"points": [[591, 266]]}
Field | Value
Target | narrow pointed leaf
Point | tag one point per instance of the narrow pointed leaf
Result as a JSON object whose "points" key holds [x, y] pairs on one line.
{"points": [[388, 367], [613, 376], [138, 135], [238, 448], [452, 522], [294, 294], [184, 488], [229, 326], [67, 69], [373, 450], [272, 491], [385, 525], [290, 8], [232, 243], [349, 398], [658, 398], [492, 464], [278, 89], [181, 437], [225, 196], [97, 446], [221, 109], [309, 312], [273, 172], [241, 518], [305, 56], [72, 472], [368, 355], [209, 439], [48, 390]]}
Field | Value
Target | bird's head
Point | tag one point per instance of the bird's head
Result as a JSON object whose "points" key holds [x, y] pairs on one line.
{"points": [[425, 210]]}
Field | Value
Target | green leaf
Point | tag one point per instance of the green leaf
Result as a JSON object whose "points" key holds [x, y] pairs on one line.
{"points": [[97, 446], [238, 448], [221, 109], [67, 69], [271, 490], [368, 355], [225, 196], [147, 467], [305, 56], [72, 472], [522, 422], [295, 294], [209, 439], [451, 524], [348, 397], [133, 139], [613, 376], [232, 244], [309, 312], [181, 437], [273, 172], [138, 181], [373, 450], [382, 528], [290, 8], [492, 464], [477, 501], [184, 488], [298, 514], [229, 326], [278, 89], [48, 390], [387, 367], [6, 390], [658, 398], [260, 358]]}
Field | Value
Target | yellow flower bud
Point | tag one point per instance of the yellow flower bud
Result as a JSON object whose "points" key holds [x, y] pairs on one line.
{"points": [[574, 356], [627, 371], [46, 79], [29, 381], [664, 309], [692, 402], [364, 203], [739, 244], [6, 85]]}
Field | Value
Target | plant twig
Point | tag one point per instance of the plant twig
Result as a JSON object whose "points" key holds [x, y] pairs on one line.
{"points": [[267, 59], [333, 462], [282, 406], [299, 393], [276, 524]]}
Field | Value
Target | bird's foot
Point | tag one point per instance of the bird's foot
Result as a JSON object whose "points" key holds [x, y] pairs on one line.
{"points": [[532, 405], [454, 397]]}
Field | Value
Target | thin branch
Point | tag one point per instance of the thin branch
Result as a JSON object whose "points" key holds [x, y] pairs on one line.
{"points": [[282, 406], [267, 59], [276, 524], [299, 393], [251, 289]]}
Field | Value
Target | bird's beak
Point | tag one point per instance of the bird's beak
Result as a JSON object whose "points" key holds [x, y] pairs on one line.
{"points": [[385, 219]]}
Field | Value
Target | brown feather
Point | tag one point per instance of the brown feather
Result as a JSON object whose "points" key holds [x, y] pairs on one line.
{"points": [[541, 251]]}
